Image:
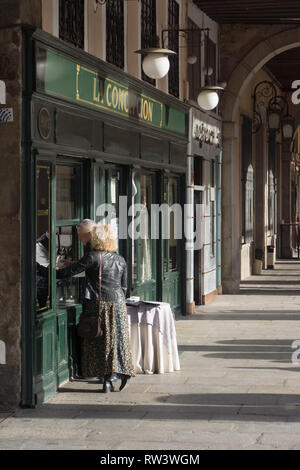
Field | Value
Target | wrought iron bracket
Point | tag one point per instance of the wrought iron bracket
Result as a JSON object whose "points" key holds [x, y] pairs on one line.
{"points": [[179, 30]]}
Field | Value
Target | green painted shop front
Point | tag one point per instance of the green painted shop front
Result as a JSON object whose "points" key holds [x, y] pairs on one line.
{"points": [[94, 136]]}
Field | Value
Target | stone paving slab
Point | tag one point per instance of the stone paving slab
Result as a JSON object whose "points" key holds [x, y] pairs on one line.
{"points": [[237, 388]]}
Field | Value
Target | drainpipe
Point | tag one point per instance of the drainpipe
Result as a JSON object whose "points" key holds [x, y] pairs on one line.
{"points": [[189, 221]]}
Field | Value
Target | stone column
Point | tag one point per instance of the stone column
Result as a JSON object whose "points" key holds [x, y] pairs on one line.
{"points": [[231, 252], [13, 12]]}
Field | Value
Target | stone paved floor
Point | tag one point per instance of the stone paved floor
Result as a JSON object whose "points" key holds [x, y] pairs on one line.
{"points": [[238, 387]]}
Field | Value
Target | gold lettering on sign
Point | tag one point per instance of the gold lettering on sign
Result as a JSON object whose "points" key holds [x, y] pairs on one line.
{"points": [[126, 102], [96, 97], [115, 97], [107, 95], [121, 99], [150, 111]]}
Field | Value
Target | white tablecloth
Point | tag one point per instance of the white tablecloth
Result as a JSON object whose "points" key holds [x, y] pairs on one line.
{"points": [[153, 339]]}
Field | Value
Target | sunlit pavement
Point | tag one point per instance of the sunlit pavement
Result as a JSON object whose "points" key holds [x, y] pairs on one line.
{"points": [[238, 387]]}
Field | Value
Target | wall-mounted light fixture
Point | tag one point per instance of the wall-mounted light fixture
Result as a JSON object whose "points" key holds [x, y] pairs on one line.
{"points": [[278, 116], [98, 2], [156, 65], [102, 2], [264, 91]]}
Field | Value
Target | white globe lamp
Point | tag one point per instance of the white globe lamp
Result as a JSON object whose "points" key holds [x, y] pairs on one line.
{"points": [[208, 99], [156, 66], [156, 63]]}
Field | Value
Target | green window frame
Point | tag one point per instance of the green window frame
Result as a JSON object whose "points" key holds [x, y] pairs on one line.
{"points": [[65, 229]]}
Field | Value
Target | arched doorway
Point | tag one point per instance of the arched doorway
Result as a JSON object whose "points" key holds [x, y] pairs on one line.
{"points": [[237, 83]]}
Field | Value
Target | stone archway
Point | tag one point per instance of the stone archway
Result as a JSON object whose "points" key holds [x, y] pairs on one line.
{"points": [[237, 83]]}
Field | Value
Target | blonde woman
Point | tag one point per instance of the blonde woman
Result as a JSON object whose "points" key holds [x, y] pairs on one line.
{"points": [[111, 353]]}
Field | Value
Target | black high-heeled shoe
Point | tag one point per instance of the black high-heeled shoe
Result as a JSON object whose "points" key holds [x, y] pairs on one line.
{"points": [[108, 386], [124, 378]]}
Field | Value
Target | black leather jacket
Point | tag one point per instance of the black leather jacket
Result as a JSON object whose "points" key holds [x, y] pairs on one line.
{"points": [[114, 275]]}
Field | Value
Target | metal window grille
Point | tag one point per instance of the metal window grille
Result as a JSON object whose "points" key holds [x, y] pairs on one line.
{"points": [[173, 36], [115, 32], [71, 21], [247, 181], [149, 35], [211, 59], [194, 70], [271, 183]]}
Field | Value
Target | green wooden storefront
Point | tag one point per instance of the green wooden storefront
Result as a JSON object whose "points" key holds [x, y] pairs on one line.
{"points": [[92, 134]]}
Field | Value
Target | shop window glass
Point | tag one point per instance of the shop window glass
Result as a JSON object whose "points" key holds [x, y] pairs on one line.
{"points": [[173, 254], [67, 192], [171, 244], [165, 241], [145, 243], [112, 198], [67, 290], [43, 239], [142, 269], [212, 209], [134, 245], [107, 192]]}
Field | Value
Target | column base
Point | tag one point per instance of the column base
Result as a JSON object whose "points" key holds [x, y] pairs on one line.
{"points": [[190, 308], [230, 286]]}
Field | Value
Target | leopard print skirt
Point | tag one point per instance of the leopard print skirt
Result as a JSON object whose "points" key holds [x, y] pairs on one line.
{"points": [[111, 353]]}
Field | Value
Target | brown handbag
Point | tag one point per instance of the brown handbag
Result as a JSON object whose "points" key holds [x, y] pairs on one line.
{"points": [[89, 326]]}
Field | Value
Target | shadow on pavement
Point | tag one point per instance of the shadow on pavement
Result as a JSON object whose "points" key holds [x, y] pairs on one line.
{"points": [[223, 407], [268, 350], [233, 315]]}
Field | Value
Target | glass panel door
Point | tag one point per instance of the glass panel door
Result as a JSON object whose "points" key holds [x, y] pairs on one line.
{"points": [[43, 238], [143, 263], [69, 211], [68, 214], [172, 245], [108, 188]]}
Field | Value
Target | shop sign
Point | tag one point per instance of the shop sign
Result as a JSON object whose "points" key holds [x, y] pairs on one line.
{"points": [[62, 76], [206, 133], [108, 94]]}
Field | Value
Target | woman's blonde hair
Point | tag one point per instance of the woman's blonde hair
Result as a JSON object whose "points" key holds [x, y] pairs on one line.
{"points": [[103, 238]]}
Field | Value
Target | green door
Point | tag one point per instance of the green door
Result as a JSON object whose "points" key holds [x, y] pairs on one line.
{"points": [[59, 190], [172, 244]]}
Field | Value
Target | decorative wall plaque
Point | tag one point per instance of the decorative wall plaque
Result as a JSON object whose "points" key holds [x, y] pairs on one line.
{"points": [[44, 123]]}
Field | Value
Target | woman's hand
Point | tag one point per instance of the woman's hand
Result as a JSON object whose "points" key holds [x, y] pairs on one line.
{"points": [[63, 263]]}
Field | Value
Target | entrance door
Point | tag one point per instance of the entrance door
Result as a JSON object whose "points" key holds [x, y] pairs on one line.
{"points": [[59, 210], [197, 256], [172, 264]]}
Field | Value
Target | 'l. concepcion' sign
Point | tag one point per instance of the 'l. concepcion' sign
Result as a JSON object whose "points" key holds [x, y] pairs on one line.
{"points": [[62, 76], [93, 89]]}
